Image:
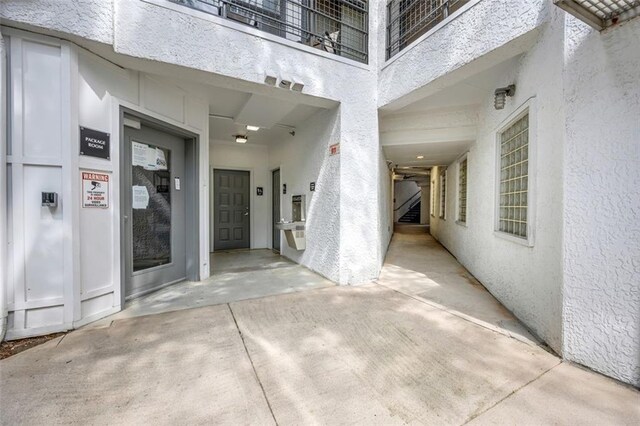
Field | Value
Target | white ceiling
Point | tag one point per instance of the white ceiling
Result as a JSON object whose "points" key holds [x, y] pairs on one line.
{"points": [[276, 113], [223, 130], [442, 126]]}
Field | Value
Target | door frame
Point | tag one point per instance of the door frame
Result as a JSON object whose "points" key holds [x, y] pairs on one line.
{"points": [[273, 219], [192, 197], [212, 206]]}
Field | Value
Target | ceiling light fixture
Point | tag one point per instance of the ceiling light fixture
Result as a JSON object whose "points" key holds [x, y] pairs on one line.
{"points": [[253, 128], [241, 139], [420, 157], [501, 95]]}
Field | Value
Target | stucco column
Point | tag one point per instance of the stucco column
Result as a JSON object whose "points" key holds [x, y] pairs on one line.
{"points": [[360, 165]]}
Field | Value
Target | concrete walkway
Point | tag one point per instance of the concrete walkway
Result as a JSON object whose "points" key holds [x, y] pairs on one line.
{"points": [[375, 354], [235, 276]]}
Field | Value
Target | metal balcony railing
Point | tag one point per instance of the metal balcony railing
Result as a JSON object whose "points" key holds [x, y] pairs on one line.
{"points": [[409, 19], [335, 26]]}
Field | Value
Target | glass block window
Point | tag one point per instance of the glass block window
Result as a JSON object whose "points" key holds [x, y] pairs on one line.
{"points": [[514, 178], [443, 193], [462, 192]]}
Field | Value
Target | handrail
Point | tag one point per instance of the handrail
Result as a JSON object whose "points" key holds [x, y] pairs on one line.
{"points": [[409, 199]]}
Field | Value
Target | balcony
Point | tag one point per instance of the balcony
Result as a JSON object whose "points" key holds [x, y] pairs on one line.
{"points": [[409, 19], [338, 27]]}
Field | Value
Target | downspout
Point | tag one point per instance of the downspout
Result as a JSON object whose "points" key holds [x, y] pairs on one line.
{"points": [[3, 188]]}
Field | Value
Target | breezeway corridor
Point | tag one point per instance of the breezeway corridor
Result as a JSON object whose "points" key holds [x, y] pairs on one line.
{"points": [[425, 345]]}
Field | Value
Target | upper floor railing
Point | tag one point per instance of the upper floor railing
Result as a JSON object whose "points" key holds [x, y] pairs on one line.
{"points": [[409, 19], [335, 26]]}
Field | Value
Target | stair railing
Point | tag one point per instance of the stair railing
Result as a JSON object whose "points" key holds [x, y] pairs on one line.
{"points": [[409, 199]]}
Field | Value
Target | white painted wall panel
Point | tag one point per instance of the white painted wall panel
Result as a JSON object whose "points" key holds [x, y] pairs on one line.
{"points": [[44, 317], [97, 305], [41, 100], [96, 247], [165, 100], [43, 234]]}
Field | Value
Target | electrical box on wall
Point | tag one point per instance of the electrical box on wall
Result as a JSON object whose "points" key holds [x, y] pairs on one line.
{"points": [[49, 199]]}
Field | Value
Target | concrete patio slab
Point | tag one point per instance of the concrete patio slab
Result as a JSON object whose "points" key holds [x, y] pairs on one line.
{"points": [[371, 355], [567, 395], [237, 275], [186, 366]]}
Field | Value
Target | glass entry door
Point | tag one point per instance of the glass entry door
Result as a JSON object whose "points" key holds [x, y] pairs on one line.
{"points": [[154, 210]]}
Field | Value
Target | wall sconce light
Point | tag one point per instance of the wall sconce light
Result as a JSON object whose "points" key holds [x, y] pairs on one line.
{"points": [[241, 139], [501, 95]]}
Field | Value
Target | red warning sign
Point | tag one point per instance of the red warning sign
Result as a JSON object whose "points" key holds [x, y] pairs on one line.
{"points": [[95, 190]]}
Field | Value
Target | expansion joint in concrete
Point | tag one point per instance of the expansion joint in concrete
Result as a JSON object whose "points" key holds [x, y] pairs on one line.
{"points": [[470, 319], [509, 394], [255, 372]]}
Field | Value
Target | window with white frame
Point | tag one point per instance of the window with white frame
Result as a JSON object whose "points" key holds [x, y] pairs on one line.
{"points": [[443, 193], [514, 178], [462, 191]]}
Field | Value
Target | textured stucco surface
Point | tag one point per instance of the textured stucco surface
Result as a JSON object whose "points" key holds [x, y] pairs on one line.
{"points": [[303, 159], [602, 201], [488, 24], [89, 19], [149, 31], [526, 279]]}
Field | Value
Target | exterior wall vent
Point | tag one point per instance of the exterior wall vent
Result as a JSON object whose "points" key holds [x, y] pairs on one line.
{"points": [[601, 14]]}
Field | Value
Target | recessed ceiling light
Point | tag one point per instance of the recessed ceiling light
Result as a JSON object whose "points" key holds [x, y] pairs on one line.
{"points": [[241, 139], [253, 128], [420, 157]]}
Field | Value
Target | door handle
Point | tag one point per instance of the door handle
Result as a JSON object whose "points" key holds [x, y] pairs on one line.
{"points": [[246, 214]]}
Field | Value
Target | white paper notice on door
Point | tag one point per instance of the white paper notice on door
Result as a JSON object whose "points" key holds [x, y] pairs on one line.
{"points": [[140, 197], [161, 161], [138, 154]]}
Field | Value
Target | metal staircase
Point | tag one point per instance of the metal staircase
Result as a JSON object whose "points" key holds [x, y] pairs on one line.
{"points": [[412, 215]]}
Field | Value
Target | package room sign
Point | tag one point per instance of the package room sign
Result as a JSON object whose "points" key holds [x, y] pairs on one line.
{"points": [[94, 143], [95, 190]]}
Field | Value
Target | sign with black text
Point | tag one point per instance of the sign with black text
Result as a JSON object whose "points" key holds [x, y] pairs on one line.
{"points": [[95, 190], [94, 143]]}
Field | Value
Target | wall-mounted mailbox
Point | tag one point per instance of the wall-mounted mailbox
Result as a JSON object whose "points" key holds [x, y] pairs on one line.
{"points": [[49, 199]]}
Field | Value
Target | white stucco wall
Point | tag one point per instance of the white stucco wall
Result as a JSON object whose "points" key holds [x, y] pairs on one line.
{"points": [[304, 159], [474, 34], [255, 160], [238, 57], [527, 280], [89, 19], [602, 202]]}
